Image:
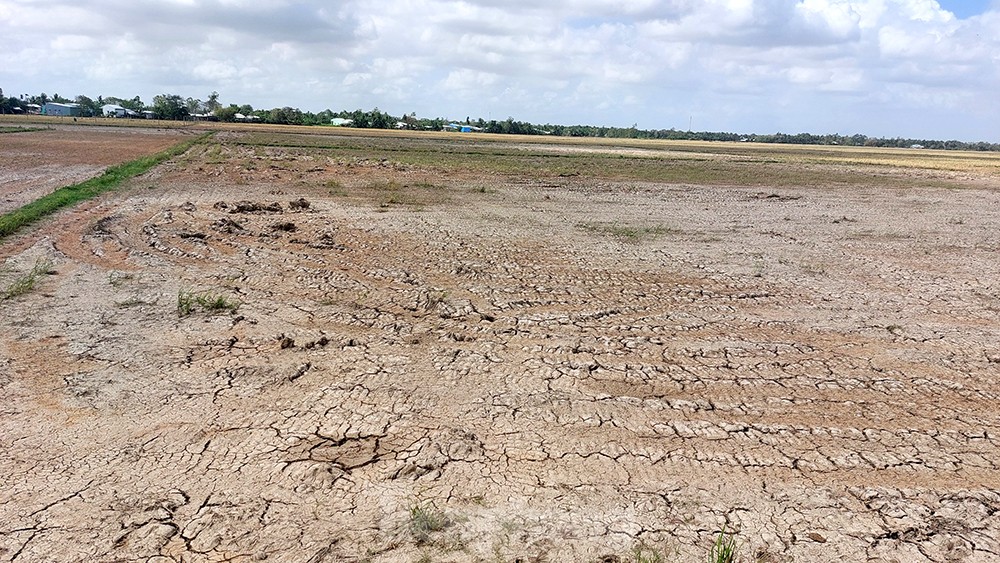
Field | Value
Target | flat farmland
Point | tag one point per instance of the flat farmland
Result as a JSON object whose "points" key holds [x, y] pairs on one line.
{"points": [[319, 345], [34, 163]]}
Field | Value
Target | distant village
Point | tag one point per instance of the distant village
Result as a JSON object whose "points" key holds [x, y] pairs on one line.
{"points": [[174, 107], [70, 109]]}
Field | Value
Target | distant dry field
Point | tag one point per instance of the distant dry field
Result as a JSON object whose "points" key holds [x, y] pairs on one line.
{"points": [[294, 344], [33, 163]]}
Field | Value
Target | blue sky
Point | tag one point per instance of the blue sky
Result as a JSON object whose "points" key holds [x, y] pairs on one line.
{"points": [[908, 68], [966, 8]]}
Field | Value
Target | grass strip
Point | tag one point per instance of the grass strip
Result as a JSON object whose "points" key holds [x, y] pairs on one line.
{"points": [[23, 129], [71, 195]]}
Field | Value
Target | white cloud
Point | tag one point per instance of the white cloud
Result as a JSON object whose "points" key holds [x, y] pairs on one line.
{"points": [[654, 62], [211, 70]]}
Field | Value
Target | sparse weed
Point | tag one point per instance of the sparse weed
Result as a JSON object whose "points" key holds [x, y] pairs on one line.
{"points": [[725, 549], [643, 553], [132, 302], [814, 269], [435, 298], [426, 186], [26, 282], [116, 279], [425, 520], [214, 155], [185, 303], [335, 187], [211, 303]]}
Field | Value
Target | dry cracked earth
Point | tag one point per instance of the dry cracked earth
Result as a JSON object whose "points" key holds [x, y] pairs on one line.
{"points": [[266, 353]]}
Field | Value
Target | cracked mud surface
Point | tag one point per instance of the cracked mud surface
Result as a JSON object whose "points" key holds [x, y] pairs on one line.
{"points": [[566, 367]]}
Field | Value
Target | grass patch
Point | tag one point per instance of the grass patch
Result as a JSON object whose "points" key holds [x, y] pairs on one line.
{"points": [[425, 520], [26, 282], [386, 194], [643, 553], [335, 187], [725, 549], [214, 155], [211, 303], [116, 279], [71, 195], [23, 129], [392, 193]]}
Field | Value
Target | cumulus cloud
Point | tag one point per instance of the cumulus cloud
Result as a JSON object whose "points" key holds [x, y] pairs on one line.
{"points": [[738, 65]]}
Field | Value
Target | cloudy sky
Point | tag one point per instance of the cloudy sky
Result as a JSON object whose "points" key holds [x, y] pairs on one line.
{"points": [[910, 68]]}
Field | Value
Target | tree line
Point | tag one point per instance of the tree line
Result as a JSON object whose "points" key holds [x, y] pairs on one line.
{"points": [[176, 107]]}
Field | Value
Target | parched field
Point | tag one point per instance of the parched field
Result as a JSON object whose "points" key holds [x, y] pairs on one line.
{"points": [[33, 163], [314, 345]]}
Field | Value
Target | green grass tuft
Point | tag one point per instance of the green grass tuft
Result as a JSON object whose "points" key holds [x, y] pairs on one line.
{"points": [[425, 520], [646, 554], [211, 303], [725, 549], [27, 282]]}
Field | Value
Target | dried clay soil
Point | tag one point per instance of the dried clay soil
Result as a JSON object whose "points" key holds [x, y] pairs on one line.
{"points": [[505, 368]]}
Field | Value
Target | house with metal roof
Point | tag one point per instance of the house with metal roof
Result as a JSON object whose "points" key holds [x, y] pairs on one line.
{"points": [[53, 108]]}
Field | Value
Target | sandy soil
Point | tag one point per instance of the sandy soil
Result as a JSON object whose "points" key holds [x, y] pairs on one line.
{"points": [[501, 369], [35, 163]]}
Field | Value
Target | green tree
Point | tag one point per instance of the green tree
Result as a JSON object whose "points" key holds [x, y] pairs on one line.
{"points": [[7, 105], [360, 119], [227, 114], [285, 116], [170, 106], [379, 120], [193, 105], [88, 107], [324, 117], [213, 102], [134, 104]]}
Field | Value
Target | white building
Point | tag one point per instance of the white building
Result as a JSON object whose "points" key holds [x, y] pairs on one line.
{"points": [[113, 110]]}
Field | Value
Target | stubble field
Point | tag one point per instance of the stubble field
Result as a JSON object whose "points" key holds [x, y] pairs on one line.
{"points": [[315, 345]]}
